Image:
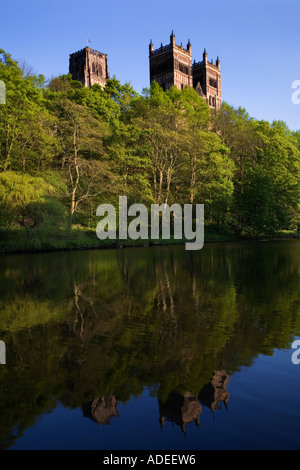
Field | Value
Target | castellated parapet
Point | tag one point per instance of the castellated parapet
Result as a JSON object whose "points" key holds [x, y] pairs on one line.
{"points": [[89, 66], [171, 65]]}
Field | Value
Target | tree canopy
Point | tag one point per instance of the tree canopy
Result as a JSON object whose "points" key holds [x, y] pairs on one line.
{"points": [[84, 146]]}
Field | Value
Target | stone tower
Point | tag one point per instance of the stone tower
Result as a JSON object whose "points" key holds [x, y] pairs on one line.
{"points": [[89, 66], [207, 80], [171, 65]]}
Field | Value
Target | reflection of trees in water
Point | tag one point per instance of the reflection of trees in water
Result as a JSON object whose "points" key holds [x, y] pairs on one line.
{"points": [[100, 324]]}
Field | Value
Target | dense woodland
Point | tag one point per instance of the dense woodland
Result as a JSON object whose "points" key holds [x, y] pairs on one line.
{"points": [[65, 149], [130, 319]]}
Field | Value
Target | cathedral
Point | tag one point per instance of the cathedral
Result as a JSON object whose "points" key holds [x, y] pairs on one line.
{"points": [[170, 65]]}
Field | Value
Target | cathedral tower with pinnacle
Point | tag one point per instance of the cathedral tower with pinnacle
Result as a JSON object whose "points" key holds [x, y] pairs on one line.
{"points": [[172, 65]]}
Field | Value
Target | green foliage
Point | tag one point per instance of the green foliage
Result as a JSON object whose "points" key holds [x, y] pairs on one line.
{"points": [[19, 190], [112, 322], [64, 149], [27, 142], [267, 172]]}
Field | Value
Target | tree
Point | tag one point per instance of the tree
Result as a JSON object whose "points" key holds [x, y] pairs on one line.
{"points": [[160, 121], [81, 135], [266, 178], [19, 196], [27, 142]]}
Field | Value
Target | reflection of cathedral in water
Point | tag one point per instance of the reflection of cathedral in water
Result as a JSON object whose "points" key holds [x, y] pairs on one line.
{"points": [[179, 409], [184, 409], [102, 409], [215, 393]]}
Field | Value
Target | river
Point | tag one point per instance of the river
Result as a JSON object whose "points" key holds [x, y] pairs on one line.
{"points": [[152, 348]]}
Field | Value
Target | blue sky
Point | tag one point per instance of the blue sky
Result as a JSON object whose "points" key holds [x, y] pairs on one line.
{"points": [[258, 42]]}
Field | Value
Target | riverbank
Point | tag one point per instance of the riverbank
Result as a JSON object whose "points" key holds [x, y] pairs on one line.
{"points": [[22, 241]]}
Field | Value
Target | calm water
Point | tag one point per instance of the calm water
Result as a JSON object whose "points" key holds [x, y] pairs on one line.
{"points": [[151, 348]]}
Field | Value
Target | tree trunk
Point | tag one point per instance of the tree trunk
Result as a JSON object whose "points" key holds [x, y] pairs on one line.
{"points": [[74, 184], [193, 180], [169, 177], [160, 186], [8, 147]]}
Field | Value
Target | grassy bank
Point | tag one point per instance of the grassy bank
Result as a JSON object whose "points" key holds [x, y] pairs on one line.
{"points": [[20, 240]]}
